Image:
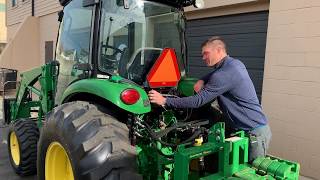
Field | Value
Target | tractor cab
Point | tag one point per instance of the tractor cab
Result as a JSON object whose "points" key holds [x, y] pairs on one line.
{"points": [[118, 38], [132, 38]]}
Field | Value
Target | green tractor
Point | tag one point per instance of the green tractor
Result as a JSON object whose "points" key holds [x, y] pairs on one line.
{"points": [[86, 115]]}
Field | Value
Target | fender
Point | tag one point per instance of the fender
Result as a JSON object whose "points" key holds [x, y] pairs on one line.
{"points": [[110, 91]]}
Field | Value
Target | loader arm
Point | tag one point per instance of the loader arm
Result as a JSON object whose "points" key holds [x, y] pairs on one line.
{"points": [[45, 89]]}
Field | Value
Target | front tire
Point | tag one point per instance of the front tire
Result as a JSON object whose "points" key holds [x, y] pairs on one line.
{"points": [[23, 136], [80, 142]]}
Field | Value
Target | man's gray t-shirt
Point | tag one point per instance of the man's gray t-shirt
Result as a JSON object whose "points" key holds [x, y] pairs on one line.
{"points": [[230, 83]]}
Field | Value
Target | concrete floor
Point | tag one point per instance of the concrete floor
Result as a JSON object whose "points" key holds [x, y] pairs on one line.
{"points": [[305, 178]]}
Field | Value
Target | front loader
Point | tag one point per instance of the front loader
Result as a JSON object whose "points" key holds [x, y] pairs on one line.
{"points": [[86, 115]]}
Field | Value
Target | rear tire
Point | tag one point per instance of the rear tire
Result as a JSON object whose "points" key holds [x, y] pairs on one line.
{"points": [[96, 144], [23, 136]]}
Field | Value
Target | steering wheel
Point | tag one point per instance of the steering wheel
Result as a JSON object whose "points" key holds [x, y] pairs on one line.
{"points": [[112, 57], [110, 61]]}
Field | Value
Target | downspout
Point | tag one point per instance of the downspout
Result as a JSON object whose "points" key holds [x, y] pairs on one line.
{"points": [[32, 7]]}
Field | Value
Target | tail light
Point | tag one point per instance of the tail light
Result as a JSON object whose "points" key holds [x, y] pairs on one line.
{"points": [[130, 96]]}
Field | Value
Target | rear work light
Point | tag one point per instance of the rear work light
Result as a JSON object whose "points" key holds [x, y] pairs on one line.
{"points": [[130, 96]]}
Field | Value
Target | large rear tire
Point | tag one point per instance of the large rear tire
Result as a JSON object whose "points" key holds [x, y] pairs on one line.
{"points": [[23, 136], [80, 142]]}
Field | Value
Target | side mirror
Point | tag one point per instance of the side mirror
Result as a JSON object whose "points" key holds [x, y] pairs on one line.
{"points": [[199, 4]]}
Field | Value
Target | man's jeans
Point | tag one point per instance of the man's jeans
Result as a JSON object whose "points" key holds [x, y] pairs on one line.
{"points": [[259, 142]]}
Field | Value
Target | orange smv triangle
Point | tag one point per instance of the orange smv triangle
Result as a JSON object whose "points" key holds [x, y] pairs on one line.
{"points": [[165, 72]]}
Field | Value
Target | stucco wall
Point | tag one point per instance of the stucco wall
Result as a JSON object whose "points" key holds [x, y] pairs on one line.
{"points": [[22, 52], [49, 26], [291, 89], [46, 12], [11, 31]]}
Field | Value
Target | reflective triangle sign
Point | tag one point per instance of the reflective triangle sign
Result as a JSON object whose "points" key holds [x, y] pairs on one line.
{"points": [[165, 72]]}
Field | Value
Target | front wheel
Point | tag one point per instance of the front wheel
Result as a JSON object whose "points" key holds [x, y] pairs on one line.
{"points": [[23, 137], [80, 142]]}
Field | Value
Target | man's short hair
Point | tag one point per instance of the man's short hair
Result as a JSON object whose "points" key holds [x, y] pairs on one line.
{"points": [[213, 39]]}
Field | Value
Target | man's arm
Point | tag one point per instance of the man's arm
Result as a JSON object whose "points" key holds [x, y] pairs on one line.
{"points": [[200, 83], [206, 78], [198, 86], [217, 84]]}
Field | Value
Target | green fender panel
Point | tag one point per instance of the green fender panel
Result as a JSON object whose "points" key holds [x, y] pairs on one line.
{"points": [[111, 92]]}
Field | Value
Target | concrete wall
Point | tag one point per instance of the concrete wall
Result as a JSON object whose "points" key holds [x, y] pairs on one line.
{"points": [[22, 53], [291, 89]]}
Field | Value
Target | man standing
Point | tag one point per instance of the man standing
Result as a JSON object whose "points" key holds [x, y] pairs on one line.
{"points": [[230, 83]]}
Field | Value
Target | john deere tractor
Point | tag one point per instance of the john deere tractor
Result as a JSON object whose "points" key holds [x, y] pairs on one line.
{"points": [[86, 114]]}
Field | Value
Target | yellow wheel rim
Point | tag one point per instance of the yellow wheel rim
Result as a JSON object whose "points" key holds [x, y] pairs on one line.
{"points": [[14, 148], [57, 163]]}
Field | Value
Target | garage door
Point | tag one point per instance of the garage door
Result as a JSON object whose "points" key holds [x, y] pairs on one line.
{"points": [[245, 35]]}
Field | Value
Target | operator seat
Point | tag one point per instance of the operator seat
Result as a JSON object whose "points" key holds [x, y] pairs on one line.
{"points": [[124, 59]]}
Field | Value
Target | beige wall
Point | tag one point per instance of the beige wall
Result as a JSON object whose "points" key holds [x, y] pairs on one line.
{"points": [[291, 89], [46, 7], [3, 30], [23, 9], [17, 13], [49, 26], [11, 31], [218, 3], [223, 8], [46, 11], [22, 53]]}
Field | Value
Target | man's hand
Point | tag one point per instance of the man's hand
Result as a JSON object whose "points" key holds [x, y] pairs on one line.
{"points": [[156, 98], [198, 86]]}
